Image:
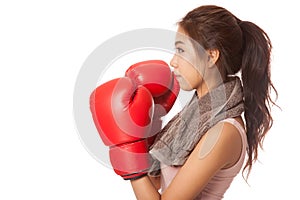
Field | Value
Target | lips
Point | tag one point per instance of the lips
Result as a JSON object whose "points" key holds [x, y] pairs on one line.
{"points": [[177, 76]]}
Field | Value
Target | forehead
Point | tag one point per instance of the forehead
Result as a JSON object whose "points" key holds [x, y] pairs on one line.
{"points": [[181, 30], [181, 35]]}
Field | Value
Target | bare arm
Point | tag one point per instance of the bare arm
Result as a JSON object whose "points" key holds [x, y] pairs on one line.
{"points": [[206, 159], [144, 189], [155, 181]]}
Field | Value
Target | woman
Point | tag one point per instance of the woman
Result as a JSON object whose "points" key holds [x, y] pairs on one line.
{"points": [[201, 150]]}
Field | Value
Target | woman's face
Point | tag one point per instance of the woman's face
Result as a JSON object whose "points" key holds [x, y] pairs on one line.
{"points": [[188, 67]]}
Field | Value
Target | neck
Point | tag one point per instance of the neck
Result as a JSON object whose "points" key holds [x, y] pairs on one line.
{"points": [[208, 85]]}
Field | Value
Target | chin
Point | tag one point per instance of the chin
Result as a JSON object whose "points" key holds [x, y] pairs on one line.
{"points": [[184, 85], [186, 88]]}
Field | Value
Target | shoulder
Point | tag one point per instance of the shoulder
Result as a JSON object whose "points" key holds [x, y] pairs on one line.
{"points": [[222, 141], [218, 149]]}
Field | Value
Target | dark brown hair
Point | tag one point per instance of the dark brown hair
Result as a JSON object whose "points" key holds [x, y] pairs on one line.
{"points": [[245, 47]]}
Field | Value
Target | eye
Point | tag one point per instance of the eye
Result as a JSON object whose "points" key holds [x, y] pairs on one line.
{"points": [[179, 50]]}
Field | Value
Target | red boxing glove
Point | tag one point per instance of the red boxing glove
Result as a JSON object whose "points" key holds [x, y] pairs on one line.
{"points": [[158, 78], [122, 112]]}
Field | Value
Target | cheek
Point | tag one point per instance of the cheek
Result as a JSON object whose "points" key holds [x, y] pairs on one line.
{"points": [[195, 78], [184, 84], [190, 79]]}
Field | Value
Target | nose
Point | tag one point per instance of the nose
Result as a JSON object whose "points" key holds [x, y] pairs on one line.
{"points": [[173, 61]]}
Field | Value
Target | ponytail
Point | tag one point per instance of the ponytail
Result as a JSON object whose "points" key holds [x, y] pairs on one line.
{"points": [[257, 85]]}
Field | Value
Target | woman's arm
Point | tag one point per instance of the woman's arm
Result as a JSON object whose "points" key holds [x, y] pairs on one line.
{"points": [[144, 189], [155, 180], [219, 148]]}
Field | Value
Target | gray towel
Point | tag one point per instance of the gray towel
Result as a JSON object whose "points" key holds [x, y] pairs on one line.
{"points": [[179, 137]]}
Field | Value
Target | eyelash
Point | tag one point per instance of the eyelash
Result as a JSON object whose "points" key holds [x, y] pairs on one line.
{"points": [[179, 50]]}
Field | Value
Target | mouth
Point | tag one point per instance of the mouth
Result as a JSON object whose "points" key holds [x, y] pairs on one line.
{"points": [[177, 76]]}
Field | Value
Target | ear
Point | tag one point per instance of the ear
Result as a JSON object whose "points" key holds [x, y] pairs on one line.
{"points": [[213, 56]]}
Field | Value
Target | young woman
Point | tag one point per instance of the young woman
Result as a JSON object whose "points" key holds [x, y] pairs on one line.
{"points": [[201, 150]]}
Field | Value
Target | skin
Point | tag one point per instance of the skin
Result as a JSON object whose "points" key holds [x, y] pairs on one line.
{"points": [[219, 148], [194, 71]]}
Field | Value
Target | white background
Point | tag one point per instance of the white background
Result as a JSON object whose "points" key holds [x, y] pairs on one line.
{"points": [[43, 45]]}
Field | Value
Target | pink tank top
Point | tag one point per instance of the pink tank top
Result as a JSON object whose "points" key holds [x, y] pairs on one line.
{"points": [[217, 186]]}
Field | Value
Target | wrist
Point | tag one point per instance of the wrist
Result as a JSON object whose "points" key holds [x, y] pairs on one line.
{"points": [[134, 177], [144, 189]]}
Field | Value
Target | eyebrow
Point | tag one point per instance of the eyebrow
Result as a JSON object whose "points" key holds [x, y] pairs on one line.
{"points": [[179, 42]]}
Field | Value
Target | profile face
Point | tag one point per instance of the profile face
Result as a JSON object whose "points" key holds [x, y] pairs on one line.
{"points": [[187, 64]]}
